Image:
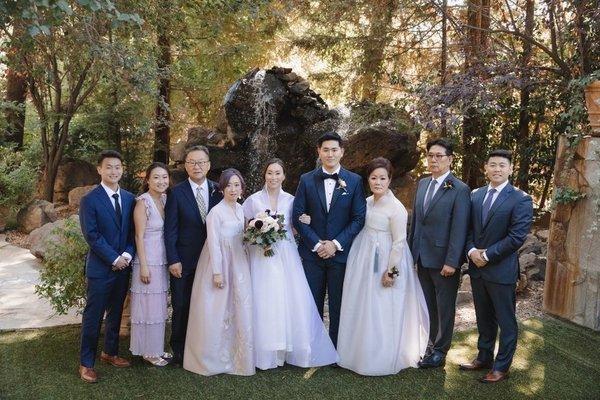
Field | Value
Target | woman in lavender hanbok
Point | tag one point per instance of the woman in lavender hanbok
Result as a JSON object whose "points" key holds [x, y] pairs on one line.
{"points": [[287, 325], [149, 282], [219, 334]]}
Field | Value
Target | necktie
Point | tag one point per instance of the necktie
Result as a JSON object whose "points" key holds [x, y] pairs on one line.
{"points": [[325, 175], [429, 194], [117, 207], [201, 204], [487, 204]]}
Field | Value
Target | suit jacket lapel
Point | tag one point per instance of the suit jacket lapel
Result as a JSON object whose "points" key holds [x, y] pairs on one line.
{"points": [[502, 196], [212, 199], [478, 205], [438, 194], [337, 191], [187, 189], [107, 202], [320, 188]]}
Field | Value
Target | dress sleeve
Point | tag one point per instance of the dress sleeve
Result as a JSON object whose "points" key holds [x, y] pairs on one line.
{"points": [[248, 209], [398, 218], [147, 204], [213, 241]]}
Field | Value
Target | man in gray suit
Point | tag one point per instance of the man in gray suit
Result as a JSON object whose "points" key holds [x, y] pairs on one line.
{"points": [[438, 233]]}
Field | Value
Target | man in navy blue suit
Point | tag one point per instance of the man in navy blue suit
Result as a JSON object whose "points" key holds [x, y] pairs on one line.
{"points": [[439, 225], [501, 216], [185, 233], [334, 199], [105, 215]]}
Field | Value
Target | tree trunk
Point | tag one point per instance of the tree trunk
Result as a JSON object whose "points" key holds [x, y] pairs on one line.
{"points": [[444, 61], [523, 139], [475, 128], [16, 93], [162, 128]]}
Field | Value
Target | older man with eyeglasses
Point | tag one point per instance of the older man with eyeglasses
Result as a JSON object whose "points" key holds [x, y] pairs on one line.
{"points": [[185, 233], [438, 233]]}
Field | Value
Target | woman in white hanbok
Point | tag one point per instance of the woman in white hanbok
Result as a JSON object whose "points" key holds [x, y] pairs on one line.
{"points": [[384, 324], [219, 334], [287, 325]]}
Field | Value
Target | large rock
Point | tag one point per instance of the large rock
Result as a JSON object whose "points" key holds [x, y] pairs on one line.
{"points": [[72, 174], [40, 238], [76, 194], [35, 214], [381, 139]]}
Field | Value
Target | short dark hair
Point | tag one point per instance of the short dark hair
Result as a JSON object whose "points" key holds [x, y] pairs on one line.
{"points": [[188, 150], [109, 154], [151, 167], [380, 162], [227, 175], [330, 136], [443, 142], [501, 153], [277, 161]]}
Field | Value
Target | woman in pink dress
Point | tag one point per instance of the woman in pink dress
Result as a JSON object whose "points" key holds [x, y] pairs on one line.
{"points": [[149, 283]]}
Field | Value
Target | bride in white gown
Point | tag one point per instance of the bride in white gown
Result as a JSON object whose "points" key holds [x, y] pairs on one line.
{"points": [[287, 325], [384, 324]]}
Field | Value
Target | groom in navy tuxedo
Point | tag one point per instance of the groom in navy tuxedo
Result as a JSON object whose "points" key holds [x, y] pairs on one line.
{"points": [[185, 233], [334, 199], [105, 215], [438, 233], [501, 216]]}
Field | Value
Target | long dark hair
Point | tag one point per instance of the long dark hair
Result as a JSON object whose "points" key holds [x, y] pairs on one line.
{"points": [[151, 167]]}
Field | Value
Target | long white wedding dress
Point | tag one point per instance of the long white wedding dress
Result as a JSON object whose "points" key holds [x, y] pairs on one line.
{"points": [[382, 330], [287, 325]]}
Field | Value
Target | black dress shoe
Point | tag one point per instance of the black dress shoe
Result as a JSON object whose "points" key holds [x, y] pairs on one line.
{"points": [[176, 361], [435, 360]]}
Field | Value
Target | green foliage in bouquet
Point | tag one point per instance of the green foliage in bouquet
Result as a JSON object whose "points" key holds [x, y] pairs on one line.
{"points": [[62, 279], [264, 230]]}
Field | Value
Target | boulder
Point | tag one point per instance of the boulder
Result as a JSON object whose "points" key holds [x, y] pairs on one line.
{"points": [[527, 260], [40, 238], [532, 245], [77, 193], [543, 234], [35, 214], [381, 139], [71, 174]]}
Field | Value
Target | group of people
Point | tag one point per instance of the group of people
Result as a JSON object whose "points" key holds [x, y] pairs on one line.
{"points": [[391, 293]]}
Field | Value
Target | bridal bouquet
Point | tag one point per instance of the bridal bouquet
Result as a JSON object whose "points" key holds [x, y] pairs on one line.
{"points": [[264, 230]]}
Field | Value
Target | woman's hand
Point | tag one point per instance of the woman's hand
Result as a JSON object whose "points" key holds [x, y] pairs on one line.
{"points": [[218, 281], [145, 275], [305, 219], [386, 280]]}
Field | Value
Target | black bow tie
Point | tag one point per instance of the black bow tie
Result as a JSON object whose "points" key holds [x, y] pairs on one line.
{"points": [[325, 175]]}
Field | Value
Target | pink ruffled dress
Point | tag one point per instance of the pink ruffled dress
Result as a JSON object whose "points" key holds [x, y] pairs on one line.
{"points": [[149, 301]]}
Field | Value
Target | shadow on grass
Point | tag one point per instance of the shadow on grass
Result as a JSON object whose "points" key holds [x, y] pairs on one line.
{"points": [[554, 360]]}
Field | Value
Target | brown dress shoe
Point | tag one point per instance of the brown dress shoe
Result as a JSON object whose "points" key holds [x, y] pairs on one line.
{"points": [[115, 361], [475, 365], [88, 374], [494, 376]]}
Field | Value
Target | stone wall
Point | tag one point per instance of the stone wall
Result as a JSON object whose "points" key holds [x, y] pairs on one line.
{"points": [[572, 287]]}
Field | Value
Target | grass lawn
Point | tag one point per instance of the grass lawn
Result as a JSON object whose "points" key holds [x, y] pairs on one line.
{"points": [[554, 360]]}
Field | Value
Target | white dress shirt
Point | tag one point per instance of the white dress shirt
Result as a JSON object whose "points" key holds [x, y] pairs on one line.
{"points": [[203, 190], [110, 193], [499, 188], [329, 185], [440, 180]]}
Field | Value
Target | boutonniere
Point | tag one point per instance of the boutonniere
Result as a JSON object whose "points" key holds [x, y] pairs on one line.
{"points": [[448, 185], [342, 185], [213, 189]]}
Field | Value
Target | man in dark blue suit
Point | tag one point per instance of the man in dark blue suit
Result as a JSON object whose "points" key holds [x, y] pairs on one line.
{"points": [[334, 199], [438, 233], [105, 215], [185, 233], [501, 216]]}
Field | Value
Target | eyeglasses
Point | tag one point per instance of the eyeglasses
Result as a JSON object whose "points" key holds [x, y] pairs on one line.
{"points": [[436, 156], [197, 163]]}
